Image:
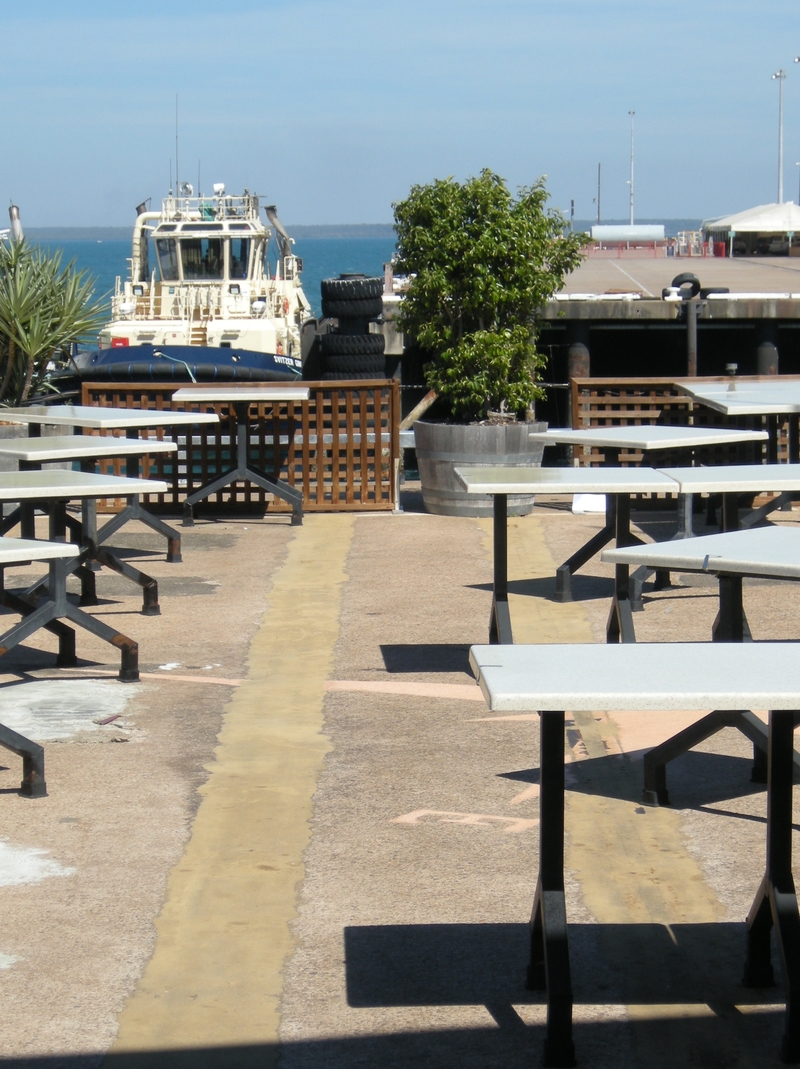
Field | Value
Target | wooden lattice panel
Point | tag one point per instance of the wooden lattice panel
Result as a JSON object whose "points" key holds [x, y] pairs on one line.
{"points": [[341, 447]]}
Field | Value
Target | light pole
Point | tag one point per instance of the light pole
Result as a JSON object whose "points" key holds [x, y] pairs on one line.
{"points": [[630, 183], [780, 76]]}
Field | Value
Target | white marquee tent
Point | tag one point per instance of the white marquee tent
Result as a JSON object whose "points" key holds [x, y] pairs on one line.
{"points": [[764, 219]]}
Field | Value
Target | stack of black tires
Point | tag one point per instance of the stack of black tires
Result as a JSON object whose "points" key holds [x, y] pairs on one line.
{"points": [[351, 352]]}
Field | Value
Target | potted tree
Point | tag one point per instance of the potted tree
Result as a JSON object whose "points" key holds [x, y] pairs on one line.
{"points": [[481, 262]]}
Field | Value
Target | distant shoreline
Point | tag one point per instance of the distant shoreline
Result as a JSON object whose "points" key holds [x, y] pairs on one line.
{"points": [[343, 231], [327, 232]]}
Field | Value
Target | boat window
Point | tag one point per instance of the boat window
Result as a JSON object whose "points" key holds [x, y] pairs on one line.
{"points": [[240, 257], [240, 226], [167, 259], [168, 226], [202, 226], [202, 258]]}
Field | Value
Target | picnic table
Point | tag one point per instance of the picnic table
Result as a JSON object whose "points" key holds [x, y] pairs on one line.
{"points": [[56, 487], [775, 397], [132, 420], [652, 677], [616, 483], [240, 398], [763, 553]]}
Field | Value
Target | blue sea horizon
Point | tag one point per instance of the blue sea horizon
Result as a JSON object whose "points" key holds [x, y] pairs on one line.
{"points": [[322, 258]]}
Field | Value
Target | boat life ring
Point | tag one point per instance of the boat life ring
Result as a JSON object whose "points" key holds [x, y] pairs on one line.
{"points": [[285, 305]]}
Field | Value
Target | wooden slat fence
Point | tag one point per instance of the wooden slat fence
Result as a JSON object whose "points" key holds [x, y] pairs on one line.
{"points": [[341, 447], [609, 402]]}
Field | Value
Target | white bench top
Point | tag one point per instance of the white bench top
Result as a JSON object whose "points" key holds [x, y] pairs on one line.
{"points": [[16, 550], [80, 446], [646, 437], [772, 551], [602, 480], [269, 392], [640, 676], [58, 483], [777, 397], [103, 419], [733, 478]]}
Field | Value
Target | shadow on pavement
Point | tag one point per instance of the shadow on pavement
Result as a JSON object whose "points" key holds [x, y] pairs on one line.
{"points": [[426, 657]]}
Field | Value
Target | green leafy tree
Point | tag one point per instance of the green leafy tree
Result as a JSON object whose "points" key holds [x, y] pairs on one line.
{"points": [[44, 308], [482, 263]]}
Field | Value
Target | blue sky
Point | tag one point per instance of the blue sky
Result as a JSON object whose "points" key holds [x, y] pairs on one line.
{"points": [[334, 108]]}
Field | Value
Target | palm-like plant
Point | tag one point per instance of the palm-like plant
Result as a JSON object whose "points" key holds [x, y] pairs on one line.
{"points": [[44, 308]]}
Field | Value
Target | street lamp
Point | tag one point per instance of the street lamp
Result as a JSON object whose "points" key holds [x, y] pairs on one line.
{"points": [[780, 76], [630, 183]]}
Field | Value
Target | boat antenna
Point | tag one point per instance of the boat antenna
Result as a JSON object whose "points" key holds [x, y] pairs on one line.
{"points": [[198, 178], [177, 180], [170, 176]]}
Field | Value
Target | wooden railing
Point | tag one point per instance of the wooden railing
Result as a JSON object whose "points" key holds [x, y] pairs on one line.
{"points": [[604, 402], [341, 447]]}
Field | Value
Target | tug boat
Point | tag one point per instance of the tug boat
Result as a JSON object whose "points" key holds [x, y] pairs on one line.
{"points": [[202, 300]]}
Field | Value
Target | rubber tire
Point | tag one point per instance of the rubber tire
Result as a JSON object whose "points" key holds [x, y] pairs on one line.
{"points": [[368, 308], [345, 344], [344, 363], [351, 289], [687, 279], [335, 376]]}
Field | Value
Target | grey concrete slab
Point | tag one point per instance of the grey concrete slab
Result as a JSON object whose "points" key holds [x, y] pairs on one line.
{"points": [[767, 551], [736, 478], [60, 483], [647, 438], [80, 447], [601, 480], [267, 392], [98, 418], [638, 676]]}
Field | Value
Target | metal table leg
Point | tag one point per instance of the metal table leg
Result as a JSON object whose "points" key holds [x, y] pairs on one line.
{"points": [[775, 903], [243, 472], [33, 782], [586, 552], [500, 619], [549, 963], [620, 619], [54, 606]]}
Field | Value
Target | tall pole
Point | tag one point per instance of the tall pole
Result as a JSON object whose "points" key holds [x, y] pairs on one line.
{"points": [[598, 193], [632, 115], [779, 76], [177, 180]]}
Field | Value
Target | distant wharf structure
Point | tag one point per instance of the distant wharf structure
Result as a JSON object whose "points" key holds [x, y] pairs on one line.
{"points": [[617, 318]]}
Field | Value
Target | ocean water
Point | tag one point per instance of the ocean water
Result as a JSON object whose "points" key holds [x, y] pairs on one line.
{"points": [[322, 258]]}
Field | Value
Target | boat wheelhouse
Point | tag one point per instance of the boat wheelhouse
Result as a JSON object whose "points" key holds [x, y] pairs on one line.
{"points": [[200, 276]]}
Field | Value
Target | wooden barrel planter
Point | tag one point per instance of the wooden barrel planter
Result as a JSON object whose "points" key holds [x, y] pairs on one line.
{"points": [[442, 447]]}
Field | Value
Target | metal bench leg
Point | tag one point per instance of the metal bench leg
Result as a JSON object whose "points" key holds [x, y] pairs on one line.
{"points": [[33, 782], [586, 552], [549, 965], [775, 903], [500, 619]]}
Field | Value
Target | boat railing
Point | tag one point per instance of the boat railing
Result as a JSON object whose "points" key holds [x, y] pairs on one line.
{"points": [[206, 209]]}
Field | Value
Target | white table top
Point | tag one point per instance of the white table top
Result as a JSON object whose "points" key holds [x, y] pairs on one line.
{"points": [[13, 550], [602, 480], [730, 478], [646, 437], [103, 419], [778, 396], [80, 446], [58, 483], [268, 392], [773, 551], [647, 676]]}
